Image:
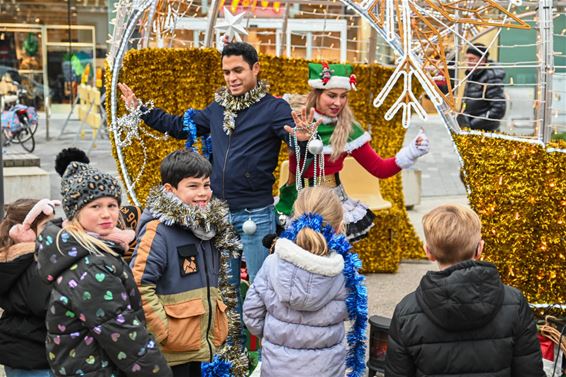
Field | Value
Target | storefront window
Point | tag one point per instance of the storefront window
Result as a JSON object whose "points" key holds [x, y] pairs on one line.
{"points": [[21, 64]]}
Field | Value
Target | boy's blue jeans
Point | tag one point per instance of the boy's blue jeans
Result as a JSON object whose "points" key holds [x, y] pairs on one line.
{"points": [[254, 251]]}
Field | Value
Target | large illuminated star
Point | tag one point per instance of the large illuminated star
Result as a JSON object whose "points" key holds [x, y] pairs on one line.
{"points": [[231, 25]]}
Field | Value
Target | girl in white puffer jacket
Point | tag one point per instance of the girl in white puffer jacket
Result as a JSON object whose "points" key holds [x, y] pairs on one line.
{"points": [[297, 301]]}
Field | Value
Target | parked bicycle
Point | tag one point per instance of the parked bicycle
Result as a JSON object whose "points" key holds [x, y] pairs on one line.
{"points": [[19, 122]]}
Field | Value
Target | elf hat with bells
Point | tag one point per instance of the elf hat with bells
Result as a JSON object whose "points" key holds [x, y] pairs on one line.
{"points": [[331, 76]]}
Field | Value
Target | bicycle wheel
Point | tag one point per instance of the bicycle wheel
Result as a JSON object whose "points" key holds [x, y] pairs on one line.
{"points": [[24, 135], [26, 139], [33, 126]]}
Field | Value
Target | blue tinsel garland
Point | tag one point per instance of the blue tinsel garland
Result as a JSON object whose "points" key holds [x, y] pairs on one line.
{"points": [[206, 142], [190, 127], [357, 300], [217, 368]]}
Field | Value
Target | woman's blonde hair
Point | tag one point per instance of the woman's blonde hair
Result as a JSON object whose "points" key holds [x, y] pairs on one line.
{"points": [[324, 202], [343, 127], [94, 245]]}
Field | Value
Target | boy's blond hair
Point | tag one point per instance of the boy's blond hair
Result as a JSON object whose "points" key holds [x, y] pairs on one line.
{"points": [[452, 233], [324, 202]]}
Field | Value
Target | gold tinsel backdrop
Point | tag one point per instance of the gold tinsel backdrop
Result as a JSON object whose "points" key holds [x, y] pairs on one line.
{"points": [[519, 191], [177, 79]]}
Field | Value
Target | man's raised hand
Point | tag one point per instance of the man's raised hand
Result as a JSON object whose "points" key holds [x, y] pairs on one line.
{"points": [[128, 96]]}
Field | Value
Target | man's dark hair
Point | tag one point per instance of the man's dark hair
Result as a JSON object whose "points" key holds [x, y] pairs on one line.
{"points": [[243, 49], [182, 164], [479, 50]]}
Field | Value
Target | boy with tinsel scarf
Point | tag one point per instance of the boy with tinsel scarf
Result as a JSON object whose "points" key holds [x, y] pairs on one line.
{"points": [[181, 267]]}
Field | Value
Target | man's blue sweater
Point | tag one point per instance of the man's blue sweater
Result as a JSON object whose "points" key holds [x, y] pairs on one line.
{"points": [[242, 163]]}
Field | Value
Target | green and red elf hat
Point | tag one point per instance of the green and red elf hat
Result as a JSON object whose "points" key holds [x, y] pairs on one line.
{"points": [[331, 76]]}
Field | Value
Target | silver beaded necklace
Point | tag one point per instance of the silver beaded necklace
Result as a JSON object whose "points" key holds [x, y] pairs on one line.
{"points": [[315, 147]]}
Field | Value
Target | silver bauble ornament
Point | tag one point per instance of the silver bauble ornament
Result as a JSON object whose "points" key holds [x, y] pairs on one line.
{"points": [[282, 220], [315, 146], [249, 226]]}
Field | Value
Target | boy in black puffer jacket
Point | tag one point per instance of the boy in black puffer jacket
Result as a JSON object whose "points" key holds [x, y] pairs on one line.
{"points": [[462, 320]]}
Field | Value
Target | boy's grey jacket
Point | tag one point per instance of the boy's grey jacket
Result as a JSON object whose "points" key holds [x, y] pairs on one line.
{"points": [[297, 304]]}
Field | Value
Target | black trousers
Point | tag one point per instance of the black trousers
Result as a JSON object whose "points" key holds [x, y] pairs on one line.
{"points": [[191, 369]]}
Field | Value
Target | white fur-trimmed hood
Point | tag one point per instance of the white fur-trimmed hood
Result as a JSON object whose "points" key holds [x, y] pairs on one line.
{"points": [[330, 265]]}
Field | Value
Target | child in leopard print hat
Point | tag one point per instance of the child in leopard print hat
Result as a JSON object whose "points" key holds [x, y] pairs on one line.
{"points": [[82, 184], [95, 321]]}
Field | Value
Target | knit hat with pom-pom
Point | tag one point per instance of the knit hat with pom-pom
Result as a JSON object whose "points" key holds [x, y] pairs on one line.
{"points": [[83, 183]]}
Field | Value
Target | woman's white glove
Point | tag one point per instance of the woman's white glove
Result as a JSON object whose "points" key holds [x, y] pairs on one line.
{"points": [[407, 156]]}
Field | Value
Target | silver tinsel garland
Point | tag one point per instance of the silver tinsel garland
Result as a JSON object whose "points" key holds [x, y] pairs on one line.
{"points": [[234, 104], [127, 131], [169, 209]]}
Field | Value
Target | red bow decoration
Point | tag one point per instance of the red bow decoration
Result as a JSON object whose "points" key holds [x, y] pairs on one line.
{"points": [[353, 81], [326, 73]]}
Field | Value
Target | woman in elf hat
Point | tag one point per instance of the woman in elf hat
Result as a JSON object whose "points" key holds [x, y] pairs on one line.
{"points": [[342, 136]]}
